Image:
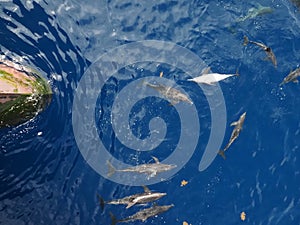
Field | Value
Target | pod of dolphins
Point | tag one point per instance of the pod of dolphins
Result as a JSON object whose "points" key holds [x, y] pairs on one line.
{"points": [[152, 169], [137, 199]]}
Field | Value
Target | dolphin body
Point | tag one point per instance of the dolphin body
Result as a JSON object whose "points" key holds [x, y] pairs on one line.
{"points": [[142, 215], [291, 77], [235, 133], [140, 198], [152, 169], [256, 11], [174, 95], [268, 50], [210, 78]]}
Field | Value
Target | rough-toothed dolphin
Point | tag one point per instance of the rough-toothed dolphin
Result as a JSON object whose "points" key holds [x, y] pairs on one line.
{"points": [[268, 50], [175, 96], [210, 78], [142, 215], [291, 77], [235, 133], [152, 169], [140, 198]]}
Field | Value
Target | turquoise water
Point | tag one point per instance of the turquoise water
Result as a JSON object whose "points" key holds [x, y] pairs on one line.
{"points": [[46, 180]]}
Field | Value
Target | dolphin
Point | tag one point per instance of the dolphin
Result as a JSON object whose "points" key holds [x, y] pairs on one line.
{"points": [[235, 133], [268, 50], [210, 78], [142, 215], [292, 76], [175, 96], [152, 169], [256, 11], [140, 198]]}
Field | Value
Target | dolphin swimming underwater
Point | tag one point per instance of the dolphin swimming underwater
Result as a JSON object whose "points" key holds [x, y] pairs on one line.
{"points": [[291, 77], [253, 12], [140, 198], [152, 169], [235, 133], [175, 96], [210, 78], [142, 215], [268, 50]]}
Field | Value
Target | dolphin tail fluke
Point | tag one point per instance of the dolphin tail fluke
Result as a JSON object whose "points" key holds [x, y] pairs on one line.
{"points": [[246, 40], [222, 153], [114, 220], [111, 169], [101, 201]]}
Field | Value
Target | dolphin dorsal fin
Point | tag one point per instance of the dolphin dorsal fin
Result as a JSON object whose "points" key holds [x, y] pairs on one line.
{"points": [[146, 189], [130, 204], [234, 123], [205, 71], [155, 159]]}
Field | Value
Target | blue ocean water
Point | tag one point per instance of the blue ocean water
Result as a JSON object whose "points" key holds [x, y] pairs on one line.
{"points": [[46, 180]]}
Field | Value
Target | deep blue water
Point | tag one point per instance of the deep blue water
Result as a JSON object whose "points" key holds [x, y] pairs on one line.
{"points": [[46, 180]]}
